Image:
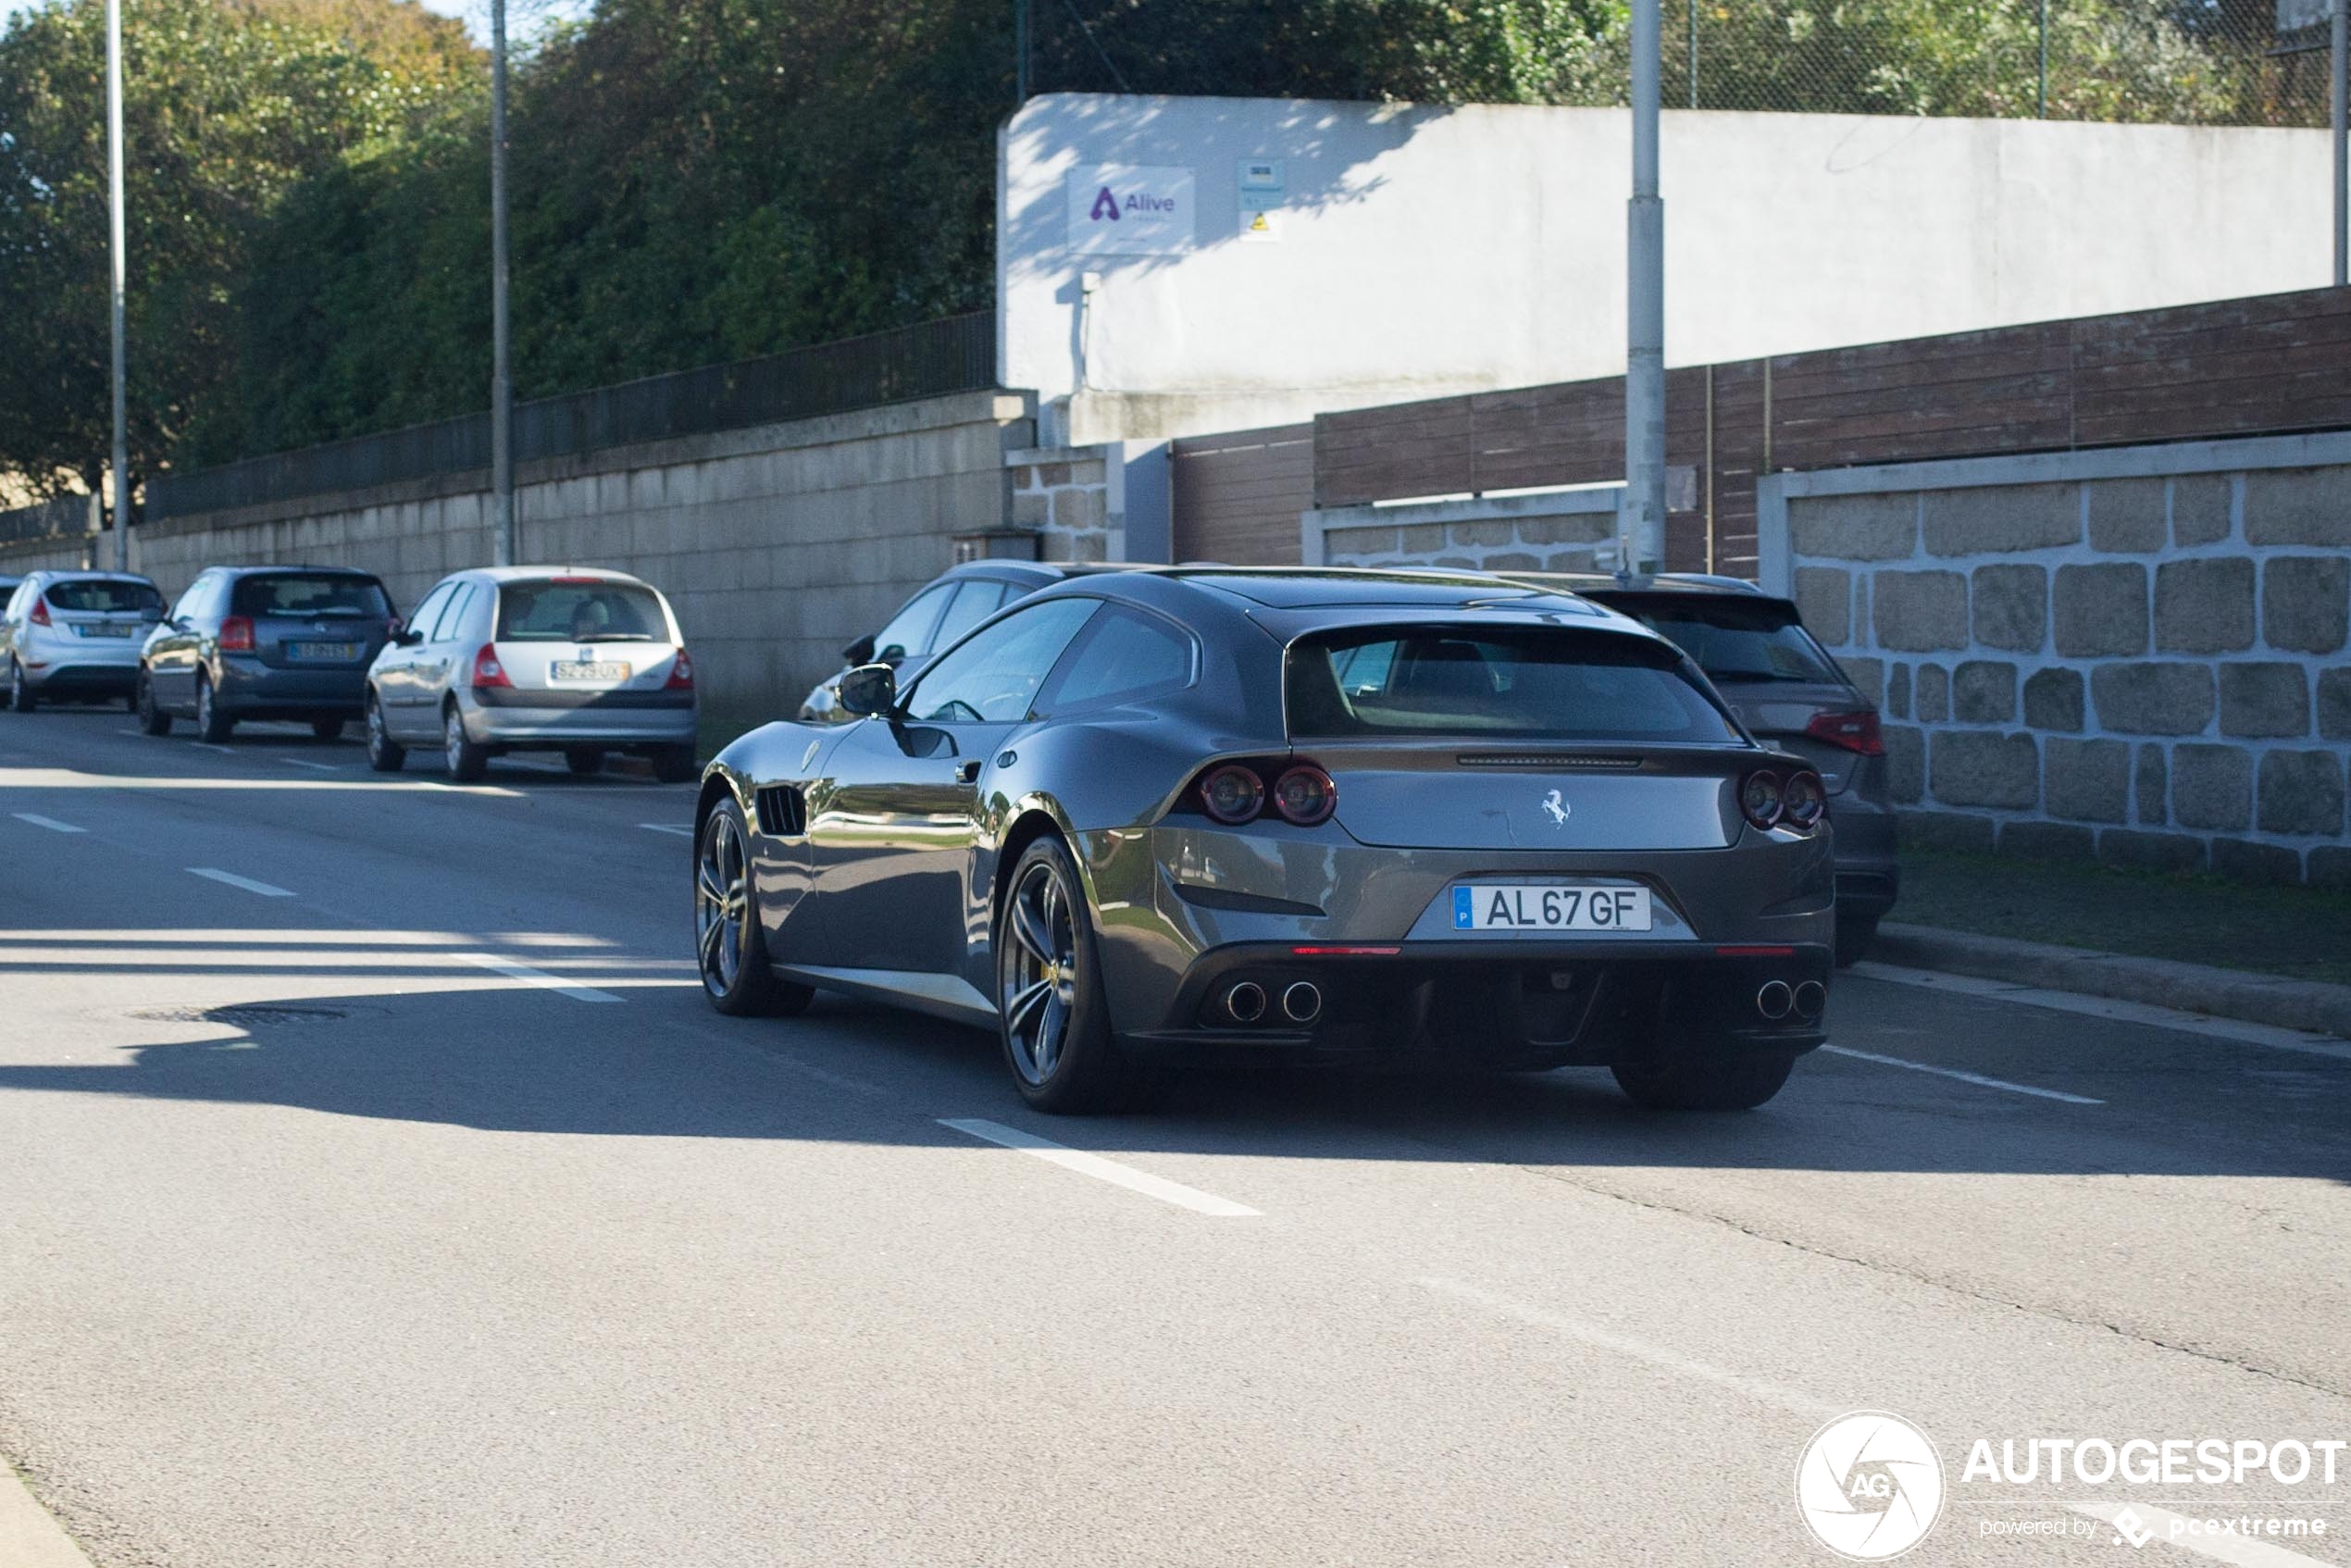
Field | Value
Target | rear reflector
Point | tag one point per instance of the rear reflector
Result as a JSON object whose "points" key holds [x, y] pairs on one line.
{"points": [[1755, 952], [1345, 952]]}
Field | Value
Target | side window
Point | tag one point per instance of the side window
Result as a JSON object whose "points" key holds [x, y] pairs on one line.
{"points": [[1124, 657], [421, 621], [974, 602], [453, 614], [993, 677], [190, 602], [908, 632]]}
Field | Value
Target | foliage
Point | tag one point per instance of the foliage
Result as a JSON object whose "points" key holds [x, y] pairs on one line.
{"points": [[233, 105]]}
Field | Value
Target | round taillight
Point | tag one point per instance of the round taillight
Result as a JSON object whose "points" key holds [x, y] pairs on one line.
{"points": [[1305, 795], [1760, 801], [1803, 799], [1232, 794]]}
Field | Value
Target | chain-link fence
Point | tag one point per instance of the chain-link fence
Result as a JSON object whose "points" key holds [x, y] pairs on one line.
{"points": [[2187, 62]]}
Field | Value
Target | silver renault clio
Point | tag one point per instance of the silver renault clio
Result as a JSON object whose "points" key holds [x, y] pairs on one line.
{"points": [[536, 658]]}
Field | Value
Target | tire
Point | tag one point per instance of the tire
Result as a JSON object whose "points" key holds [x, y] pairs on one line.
{"points": [[1854, 935], [1053, 1018], [584, 761], [466, 760], [326, 728], [130, 703], [151, 719], [22, 698], [730, 950], [384, 753], [1703, 1076], [677, 765], [213, 727]]}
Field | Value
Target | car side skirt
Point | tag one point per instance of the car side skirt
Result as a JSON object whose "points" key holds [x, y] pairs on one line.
{"points": [[941, 996]]}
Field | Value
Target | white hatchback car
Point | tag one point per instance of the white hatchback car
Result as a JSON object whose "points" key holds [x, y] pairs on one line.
{"points": [[536, 658], [74, 636]]}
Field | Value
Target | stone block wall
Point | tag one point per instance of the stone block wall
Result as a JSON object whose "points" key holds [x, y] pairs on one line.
{"points": [[2141, 655], [1065, 493], [1562, 531]]}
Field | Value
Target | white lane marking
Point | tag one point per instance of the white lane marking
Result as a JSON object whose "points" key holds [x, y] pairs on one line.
{"points": [[1976, 1079], [209, 746], [2236, 1029], [666, 828], [51, 823], [538, 978], [314, 767], [29, 1536], [1639, 1350], [2241, 1550], [498, 790], [2171, 1530], [130, 732], [233, 881], [1094, 1165]]}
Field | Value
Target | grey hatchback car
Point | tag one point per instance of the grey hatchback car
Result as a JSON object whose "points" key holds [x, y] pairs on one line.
{"points": [[263, 642], [1790, 694]]}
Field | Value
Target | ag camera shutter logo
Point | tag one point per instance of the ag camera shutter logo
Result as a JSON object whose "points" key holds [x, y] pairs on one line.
{"points": [[1870, 1485]]}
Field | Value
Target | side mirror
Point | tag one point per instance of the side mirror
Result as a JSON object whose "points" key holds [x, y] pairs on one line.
{"points": [[860, 652], [869, 689], [407, 639]]}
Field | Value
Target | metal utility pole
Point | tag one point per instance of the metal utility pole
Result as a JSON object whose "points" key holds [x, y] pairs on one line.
{"points": [[1644, 296], [114, 199], [501, 382], [2042, 102], [2341, 123], [1020, 46]]}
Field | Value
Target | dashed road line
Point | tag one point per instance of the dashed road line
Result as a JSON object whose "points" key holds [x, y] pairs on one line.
{"points": [[230, 879], [209, 746], [538, 978], [314, 767], [1100, 1169], [2238, 1030], [51, 823], [666, 828], [1976, 1079]]}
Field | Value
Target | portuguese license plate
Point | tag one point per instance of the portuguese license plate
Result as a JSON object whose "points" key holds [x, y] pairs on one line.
{"points": [[103, 628], [1549, 906], [323, 653], [583, 670]]}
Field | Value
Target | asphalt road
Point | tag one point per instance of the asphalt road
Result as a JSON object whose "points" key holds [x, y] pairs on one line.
{"points": [[377, 1187]]}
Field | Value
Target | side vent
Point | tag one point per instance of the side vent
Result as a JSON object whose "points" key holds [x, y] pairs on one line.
{"points": [[783, 811]]}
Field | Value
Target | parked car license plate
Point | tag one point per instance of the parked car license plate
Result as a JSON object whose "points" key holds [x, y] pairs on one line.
{"points": [[1536, 906], [574, 669], [323, 653], [103, 628]]}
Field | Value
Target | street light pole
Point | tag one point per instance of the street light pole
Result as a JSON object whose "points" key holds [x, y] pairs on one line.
{"points": [[502, 384], [2339, 115], [1645, 299], [1020, 51], [114, 198]]}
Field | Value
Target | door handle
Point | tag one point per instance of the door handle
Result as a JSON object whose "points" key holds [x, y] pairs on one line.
{"points": [[967, 772]]}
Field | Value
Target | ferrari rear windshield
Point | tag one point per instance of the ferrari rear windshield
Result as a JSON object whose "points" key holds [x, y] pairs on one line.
{"points": [[1519, 683]]}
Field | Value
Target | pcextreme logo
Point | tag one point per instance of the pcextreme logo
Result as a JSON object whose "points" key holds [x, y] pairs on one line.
{"points": [[1870, 1485]]}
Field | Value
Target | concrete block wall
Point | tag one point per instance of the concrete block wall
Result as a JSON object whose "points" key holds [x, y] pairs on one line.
{"points": [[777, 544], [2141, 656], [1569, 530]]}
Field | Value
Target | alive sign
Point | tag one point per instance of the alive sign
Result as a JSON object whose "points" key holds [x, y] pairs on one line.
{"points": [[1129, 209]]}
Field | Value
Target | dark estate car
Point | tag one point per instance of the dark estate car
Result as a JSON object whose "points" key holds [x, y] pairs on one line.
{"points": [[265, 643], [1161, 816], [1789, 692]]}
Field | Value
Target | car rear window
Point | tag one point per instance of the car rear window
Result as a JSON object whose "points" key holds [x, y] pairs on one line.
{"points": [[552, 610], [97, 596], [1519, 683], [1739, 641], [309, 593]]}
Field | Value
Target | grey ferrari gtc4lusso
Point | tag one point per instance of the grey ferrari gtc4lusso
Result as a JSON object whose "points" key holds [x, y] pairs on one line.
{"points": [[1188, 815]]}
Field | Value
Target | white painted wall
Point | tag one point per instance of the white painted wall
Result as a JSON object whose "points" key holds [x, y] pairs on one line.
{"points": [[1428, 251]]}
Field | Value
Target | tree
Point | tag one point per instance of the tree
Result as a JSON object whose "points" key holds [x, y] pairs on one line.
{"points": [[229, 105]]}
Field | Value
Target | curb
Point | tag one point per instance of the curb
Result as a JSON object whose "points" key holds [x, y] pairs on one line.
{"points": [[2308, 1005]]}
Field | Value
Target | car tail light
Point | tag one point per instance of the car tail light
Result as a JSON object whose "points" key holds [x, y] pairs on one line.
{"points": [[488, 671], [1853, 732], [1232, 794], [41, 611], [236, 635], [1759, 799], [1803, 798], [681, 673], [1305, 795]]}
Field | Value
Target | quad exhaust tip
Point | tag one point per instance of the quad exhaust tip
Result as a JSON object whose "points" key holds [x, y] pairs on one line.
{"points": [[1246, 1002], [1810, 997], [1774, 1000], [1302, 1003]]}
